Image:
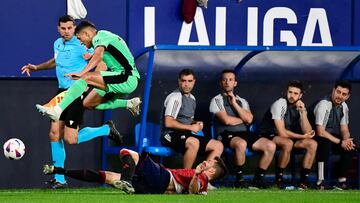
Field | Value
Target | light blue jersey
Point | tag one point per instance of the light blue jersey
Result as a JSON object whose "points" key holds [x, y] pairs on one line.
{"points": [[69, 58]]}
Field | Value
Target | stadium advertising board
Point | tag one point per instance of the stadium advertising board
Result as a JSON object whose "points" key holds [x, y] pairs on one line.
{"points": [[248, 23]]}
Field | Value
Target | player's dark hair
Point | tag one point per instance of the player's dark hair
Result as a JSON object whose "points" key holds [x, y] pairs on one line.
{"points": [[297, 84], [221, 169], [228, 71], [186, 71], [344, 84], [66, 18], [84, 24]]}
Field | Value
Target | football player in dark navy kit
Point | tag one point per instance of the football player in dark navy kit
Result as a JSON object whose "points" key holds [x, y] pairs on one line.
{"points": [[142, 175]]}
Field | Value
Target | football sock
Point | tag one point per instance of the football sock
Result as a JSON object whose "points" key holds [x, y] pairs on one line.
{"points": [[89, 133], [87, 175], [320, 172], [304, 174], [112, 104], [259, 173], [279, 173], [75, 91], [128, 166], [239, 172], [58, 156]]}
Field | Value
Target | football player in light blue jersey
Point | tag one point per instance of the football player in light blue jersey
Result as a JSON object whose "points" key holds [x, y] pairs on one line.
{"points": [[69, 56]]}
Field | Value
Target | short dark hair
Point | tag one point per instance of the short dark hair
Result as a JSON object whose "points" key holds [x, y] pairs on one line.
{"points": [[297, 84], [221, 169], [66, 18], [344, 84], [84, 24], [228, 71], [186, 71]]}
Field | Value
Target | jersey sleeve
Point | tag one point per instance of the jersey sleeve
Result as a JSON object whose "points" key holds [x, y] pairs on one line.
{"points": [[216, 105], [203, 184], [345, 118], [172, 105], [321, 113], [101, 39], [278, 109], [56, 44], [244, 103]]}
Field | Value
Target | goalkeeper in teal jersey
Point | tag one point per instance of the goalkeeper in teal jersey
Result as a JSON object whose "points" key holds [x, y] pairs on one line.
{"points": [[120, 77]]}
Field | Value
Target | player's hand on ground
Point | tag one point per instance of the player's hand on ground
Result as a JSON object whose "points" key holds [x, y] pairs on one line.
{"points": [[73, 76], [28, 68]]}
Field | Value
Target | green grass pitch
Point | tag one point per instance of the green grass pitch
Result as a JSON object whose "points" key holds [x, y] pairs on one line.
{"points": [[226, 195]]}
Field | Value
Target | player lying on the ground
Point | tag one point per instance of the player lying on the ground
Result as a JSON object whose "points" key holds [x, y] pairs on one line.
{"points": [[143, 175]]}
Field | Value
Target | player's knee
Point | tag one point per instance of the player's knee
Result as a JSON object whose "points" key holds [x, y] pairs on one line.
{"points": [[270, 147], [312, 146], [240, 145], [287, 145], [192, 143], [54, 136], [134, 155], [70, 139], [216, 146]]}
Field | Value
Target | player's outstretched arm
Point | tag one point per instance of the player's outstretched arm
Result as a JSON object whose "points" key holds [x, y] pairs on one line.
{"points": [[43, 66]]}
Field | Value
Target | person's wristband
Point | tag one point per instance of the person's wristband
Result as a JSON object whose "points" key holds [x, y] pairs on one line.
{"points": [[340, 142]]}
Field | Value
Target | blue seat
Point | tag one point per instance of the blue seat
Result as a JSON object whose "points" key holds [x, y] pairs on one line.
{"points": [[151, 141]]}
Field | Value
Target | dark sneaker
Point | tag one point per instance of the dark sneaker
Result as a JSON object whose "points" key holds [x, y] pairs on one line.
{"points": [[124, 186], [259, 183], [241, 184], [280, 183], [114, 134], [303, 186], [340, 186], [323, 186], [53, 184]]}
